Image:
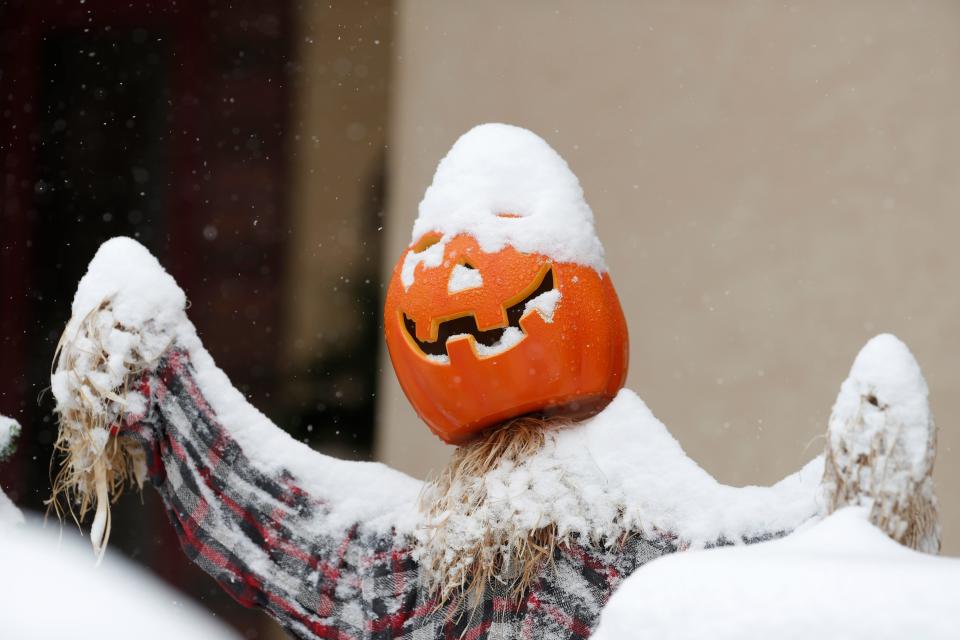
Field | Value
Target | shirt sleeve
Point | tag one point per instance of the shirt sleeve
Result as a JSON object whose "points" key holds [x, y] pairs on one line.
{"points": [[324, 545], [253, 530]]}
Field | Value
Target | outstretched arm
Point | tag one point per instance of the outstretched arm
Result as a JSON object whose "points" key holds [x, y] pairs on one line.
{"points": [[277, 524]]}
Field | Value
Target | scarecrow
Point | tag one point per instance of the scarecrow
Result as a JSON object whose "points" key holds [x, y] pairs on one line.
{"points": [[507, 337]]}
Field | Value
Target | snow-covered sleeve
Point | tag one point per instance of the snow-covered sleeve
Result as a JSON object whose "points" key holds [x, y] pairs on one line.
{"points": [[277, 524]]}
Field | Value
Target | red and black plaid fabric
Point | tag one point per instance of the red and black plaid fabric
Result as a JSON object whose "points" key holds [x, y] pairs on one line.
{"points": [[256, 534]]}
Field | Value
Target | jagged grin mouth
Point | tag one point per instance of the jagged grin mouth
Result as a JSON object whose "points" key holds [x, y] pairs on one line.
{"points": [[491, 339]]}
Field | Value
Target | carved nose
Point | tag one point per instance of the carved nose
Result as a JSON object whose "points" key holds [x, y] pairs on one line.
{"points": [[464, 276]]}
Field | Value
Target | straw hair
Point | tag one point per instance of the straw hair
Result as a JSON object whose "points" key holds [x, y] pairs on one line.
{"points": [[901, 498], [510, 557], [95, 465]]}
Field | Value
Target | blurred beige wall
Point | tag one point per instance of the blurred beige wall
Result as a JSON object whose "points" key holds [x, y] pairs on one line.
{"points": [[774, 183], [336, 153]]}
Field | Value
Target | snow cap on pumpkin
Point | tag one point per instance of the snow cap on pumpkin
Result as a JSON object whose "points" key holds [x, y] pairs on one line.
{"points": [[502, 169]]}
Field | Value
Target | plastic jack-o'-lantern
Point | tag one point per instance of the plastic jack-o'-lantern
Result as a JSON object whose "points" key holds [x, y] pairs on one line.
{"points": [[493, 314]]}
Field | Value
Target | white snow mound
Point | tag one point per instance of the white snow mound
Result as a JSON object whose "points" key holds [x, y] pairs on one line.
{"points": [[502, 169], [839, 578], [10, 515], [51, 590]]}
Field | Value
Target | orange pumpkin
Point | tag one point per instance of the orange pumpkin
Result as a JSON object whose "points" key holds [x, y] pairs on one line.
{"points": [[485, 337]]}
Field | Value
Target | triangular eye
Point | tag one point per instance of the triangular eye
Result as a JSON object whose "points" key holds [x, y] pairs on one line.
{"points": [[426, 242], [464, 276]]}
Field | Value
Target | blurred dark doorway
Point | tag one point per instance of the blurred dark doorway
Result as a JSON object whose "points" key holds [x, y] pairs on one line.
{"points": [[100, 170], [120, 118]]}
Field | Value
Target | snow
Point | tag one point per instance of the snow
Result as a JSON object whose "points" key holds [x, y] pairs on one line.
{"points": [[51, 589], [430, 258], [882, 440], [463, 278], [10, 515], [622, 472], [145, 315], [886, 370], [619, 472], [510, 338], [839, 578], [505, 185], [9, 432], [544, 304]]}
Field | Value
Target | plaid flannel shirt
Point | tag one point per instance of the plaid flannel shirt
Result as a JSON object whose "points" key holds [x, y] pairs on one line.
{"points": [[357, 584]]}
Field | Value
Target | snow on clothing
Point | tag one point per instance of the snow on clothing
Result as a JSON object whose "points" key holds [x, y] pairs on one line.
{"points": [[328, 546], [360, 584]]}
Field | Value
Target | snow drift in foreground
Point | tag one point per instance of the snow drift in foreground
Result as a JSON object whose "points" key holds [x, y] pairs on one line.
{"points": [[51, 590], [839, 578], [10, 515]]}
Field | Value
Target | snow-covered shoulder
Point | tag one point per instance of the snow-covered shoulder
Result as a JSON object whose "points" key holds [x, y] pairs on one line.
{"points": [[633, 475], [127, 312], [622, 473], [504, 185], [839, 578]]}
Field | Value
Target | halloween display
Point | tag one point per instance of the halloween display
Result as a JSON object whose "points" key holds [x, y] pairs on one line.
{"points": [[499, 317]]}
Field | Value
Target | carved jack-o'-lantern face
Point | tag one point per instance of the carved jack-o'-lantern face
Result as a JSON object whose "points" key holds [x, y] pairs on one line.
{"points": [[477, 338]]}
